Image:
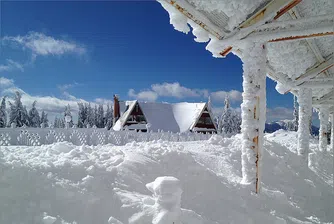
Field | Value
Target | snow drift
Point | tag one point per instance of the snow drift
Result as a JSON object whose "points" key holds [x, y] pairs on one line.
{"points": [[64, 183]]}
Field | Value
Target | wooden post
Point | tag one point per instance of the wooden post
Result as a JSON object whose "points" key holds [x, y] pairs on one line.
{"points": [[305, 112], [253, 111], [332, 133], [323, 132]]}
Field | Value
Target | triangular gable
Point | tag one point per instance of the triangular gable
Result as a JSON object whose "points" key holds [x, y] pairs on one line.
{"points": [[124, 117], [204, 113]]}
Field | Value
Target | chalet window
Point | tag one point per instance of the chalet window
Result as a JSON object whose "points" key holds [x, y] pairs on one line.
{"points": [[205, 120], [137, 108]]}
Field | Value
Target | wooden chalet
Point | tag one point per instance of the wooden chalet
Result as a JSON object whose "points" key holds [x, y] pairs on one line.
{"points": [[177, 117]]}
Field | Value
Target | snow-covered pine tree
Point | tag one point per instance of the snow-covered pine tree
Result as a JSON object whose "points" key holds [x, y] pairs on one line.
{"points": [[34, 118], [108, 120], [82, 116], [44, 119], [61, 122], [95, 116], [25, 117], [67, 112], [230, 120], [3, 114], [16, 114], [295, 114], [100, 117], [56, 123], [90, 116]]}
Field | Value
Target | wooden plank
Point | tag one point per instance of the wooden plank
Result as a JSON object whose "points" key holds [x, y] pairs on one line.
{"points": [[263, 13], [302, 37], [314, 71]]}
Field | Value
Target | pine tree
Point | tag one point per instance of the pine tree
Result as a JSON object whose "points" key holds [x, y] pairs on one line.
{"points": [[56, 123], [295, 114], [25, 117], [3, 114], [67, 112], [62, 123], [34, 118], [230, 121], [90, 116], [17, 112], [95, 116], [82, 116], [44, 120], [108, 120], [100, 117]]}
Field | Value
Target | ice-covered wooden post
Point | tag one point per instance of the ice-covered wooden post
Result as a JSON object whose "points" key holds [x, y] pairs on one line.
{"points": [[332, 133], [323, 132], [305, 113], [253, 112]]}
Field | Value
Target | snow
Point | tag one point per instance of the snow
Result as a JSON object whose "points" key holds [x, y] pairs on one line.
{"points": [[305, 113], [324, 118], [177, 117], [253, 112], [291, 58], [65, 183], [237, 11]]}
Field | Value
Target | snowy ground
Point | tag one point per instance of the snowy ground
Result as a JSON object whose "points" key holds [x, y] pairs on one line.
{"points": [[63, 183]]}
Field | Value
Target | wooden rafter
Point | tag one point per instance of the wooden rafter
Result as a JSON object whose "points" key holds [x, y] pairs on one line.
{"points": [[314, 71], [302, 37], [317, 84], [206, 25], [324, 98], [276, 6], [294, 13]]}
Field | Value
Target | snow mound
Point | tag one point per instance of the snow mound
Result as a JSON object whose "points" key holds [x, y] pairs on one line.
{"points": [[158, 182]]}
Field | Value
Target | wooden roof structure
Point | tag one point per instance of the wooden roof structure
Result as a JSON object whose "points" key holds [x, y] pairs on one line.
{"points": [[301, 26], [289, 41]]}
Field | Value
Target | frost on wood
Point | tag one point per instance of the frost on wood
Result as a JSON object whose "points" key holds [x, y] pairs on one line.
{"points": [[291, 58], [237, 11], [177, 19], [323, 132], [305, 112], [332, 133], [167, 207], [253, 111]]}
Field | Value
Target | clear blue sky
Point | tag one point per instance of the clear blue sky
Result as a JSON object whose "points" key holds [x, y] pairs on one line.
{"points": [[126, 45]]}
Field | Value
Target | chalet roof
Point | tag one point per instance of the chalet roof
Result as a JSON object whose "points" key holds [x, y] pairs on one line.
{"points": [[177, 117], [298, 33]]}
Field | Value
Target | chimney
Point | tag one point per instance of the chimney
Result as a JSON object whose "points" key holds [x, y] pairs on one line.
{"points": [[117, 113]]}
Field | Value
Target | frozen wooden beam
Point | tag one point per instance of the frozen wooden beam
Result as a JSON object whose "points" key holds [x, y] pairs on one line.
{"points": [[314, 34], [189, 11], [275, 7], [316, 84], [314, 71], [325, 97], [262, 16], [295, 15]]}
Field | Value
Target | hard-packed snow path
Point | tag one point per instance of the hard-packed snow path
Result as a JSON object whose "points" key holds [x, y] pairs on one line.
{"points": [[63, 183]]}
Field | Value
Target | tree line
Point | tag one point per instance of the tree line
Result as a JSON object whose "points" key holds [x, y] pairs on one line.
{"points": [[19, 116]]}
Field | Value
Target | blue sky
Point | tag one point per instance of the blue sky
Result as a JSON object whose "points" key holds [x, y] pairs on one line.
{"points": [[61, 52]]}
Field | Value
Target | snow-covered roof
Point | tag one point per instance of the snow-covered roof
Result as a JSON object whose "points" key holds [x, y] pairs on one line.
{"points": [[299, 37], [177, 117]]}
